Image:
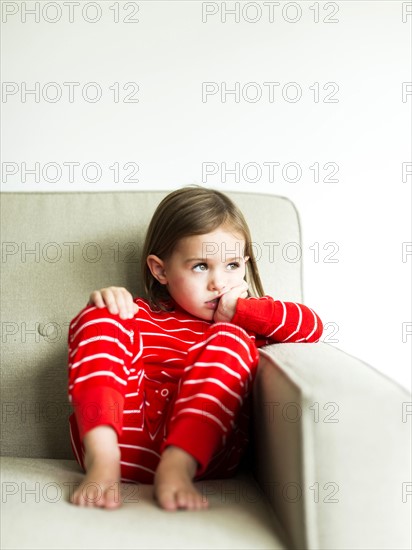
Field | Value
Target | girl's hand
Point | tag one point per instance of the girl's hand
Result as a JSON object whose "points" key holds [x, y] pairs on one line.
{"points": [[117, 299], [226, 308]]}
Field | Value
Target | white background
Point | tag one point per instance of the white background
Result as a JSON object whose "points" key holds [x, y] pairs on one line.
{"points": [[355, 54]]}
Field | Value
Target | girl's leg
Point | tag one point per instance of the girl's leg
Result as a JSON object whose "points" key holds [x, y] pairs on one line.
{"points": [[213, 393], [101, 354], [101, 485]]}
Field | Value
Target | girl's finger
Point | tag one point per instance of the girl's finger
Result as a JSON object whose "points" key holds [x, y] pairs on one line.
{"points": [[123, 302], [110, 300], [96, 299]]}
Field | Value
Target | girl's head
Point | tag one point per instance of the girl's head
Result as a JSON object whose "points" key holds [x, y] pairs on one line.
{"points": [[204, 222]]}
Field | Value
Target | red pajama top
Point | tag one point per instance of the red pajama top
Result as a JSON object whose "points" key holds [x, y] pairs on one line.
{"points": [[157, 352]]}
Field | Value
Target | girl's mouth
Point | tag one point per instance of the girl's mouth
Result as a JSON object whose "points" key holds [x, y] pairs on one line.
{"points": [[212, 304]]}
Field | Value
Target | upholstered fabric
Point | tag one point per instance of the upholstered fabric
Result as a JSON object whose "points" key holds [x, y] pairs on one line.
{"points": [[333, 448], [36, 514]]}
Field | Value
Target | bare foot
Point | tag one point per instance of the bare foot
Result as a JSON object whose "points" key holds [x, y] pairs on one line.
{"points": [[173, 484], [101, 485]]}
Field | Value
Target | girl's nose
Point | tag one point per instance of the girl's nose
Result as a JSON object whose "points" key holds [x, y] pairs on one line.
{"points": [[216, 285]]}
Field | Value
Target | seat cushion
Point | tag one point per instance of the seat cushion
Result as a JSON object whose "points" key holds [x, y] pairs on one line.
{"points": [[36, 513]]}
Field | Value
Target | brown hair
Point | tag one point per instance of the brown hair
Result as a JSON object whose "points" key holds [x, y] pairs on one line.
{"points": [[192, 210]]}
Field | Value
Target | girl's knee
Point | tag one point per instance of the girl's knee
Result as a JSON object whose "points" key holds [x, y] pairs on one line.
{"points": [[227, 342], [231, 335], [224, 328], [93, 322]]}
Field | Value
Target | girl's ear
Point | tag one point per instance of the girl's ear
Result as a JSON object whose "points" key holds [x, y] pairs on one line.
{"points": [[246, 258], [157, 268]]}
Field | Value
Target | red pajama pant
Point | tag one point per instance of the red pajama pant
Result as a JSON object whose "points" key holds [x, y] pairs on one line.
{"points": [[162, 378]]}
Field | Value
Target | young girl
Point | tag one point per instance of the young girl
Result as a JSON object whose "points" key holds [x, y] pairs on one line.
{"points": [[161, 386]]}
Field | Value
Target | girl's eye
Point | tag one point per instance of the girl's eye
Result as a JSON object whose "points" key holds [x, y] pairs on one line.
{"points": [[234, 265], [200, 267]]}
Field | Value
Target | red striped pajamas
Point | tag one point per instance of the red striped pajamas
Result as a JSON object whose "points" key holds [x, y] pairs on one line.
{"points": [[168, 378]]}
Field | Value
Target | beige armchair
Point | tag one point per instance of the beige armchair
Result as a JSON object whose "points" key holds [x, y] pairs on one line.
{"points": [[329, 465]]}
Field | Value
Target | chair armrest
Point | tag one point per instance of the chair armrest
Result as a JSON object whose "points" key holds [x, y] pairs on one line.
{"points": [[332, 440]]}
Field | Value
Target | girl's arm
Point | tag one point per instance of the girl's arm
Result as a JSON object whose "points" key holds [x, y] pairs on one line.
{"points": [[273, 320], [278, 321]]}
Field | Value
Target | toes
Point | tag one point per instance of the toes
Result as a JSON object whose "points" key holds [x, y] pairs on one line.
{"points": [[188, 499], [78, 498], [194, 501], [112, 495], [166, 499], [93, 495], [184, 500]]}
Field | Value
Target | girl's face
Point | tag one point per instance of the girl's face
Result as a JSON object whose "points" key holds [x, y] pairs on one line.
{"points": [[201, 269]]}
